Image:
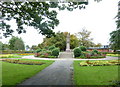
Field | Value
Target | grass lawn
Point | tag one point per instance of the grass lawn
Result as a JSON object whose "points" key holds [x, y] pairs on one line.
{"points": [[94, 75], [13, 74]]}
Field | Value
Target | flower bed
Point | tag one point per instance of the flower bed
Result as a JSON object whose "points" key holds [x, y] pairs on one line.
{"points": [[15, 51], [80, 52], [23, 62], [51, 52], [9, 56], [25, 54], [100, 63], [114, 55], [6, 55]]}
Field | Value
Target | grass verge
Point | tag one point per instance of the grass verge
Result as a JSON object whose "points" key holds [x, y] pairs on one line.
{"points": [[94, 75], [13, 74]]}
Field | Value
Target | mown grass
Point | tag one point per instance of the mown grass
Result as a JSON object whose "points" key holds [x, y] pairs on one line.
{"points": [[13, 74], [94, 75]]}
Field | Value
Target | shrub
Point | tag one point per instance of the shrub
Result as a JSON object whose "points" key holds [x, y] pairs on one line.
{"points": [[95, 51], [83, 48], [49, 52], [55, 52], [37, 54], [77, 52], [51, 56], [52, 47], [38, 50]]}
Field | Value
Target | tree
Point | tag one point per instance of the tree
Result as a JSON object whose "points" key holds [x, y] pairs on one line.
{"points": [[16, 43], [36, 14], [5, 47], [84, 38], [34, 47], [98, 45], [59, 40], [1, 44], [74, 42], [27, 47], [115, 35], [115, 39], [19, 44]]}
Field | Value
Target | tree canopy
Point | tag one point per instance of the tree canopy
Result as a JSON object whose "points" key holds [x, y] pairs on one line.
{"points": [[84, 38], [115, 35], [59, 40], [16, 43], [40, 15], [115, 39]]}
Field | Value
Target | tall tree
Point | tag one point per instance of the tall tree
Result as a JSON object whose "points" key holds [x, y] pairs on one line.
{"points": [[16, 43], [115, 40], [1, 44], [34, 47], [59, 40], [36, 14], [84, 38], [98, 45], [115, 35], [74, 42]]}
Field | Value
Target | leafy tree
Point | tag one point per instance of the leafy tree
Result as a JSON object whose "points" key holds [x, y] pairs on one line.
{"points": [[36, 14], [74, 42], [34, 47], [19, 44], [115, 39], [98, 45], [59, 40], [84, 38], [5, 47], [1, 44], [16, 43], [115, 35]]}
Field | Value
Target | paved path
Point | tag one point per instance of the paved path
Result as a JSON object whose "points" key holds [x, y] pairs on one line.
{"points": [[62, 58], [58, 73]]}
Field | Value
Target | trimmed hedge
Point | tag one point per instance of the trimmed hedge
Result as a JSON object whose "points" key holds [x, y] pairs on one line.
{"points": [[55, 52], [77, 52]]}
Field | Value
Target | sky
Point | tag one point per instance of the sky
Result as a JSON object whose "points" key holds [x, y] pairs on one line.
{"points": [[99, 18]]}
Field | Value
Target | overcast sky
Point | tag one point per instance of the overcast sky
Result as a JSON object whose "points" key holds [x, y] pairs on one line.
{"points": [[97, 18]]}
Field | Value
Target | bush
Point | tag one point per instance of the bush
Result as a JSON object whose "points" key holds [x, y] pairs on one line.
{"points": [[77, 52], [38, 50], [55, 52], [95, 51], [83, 48], [52, 47]]}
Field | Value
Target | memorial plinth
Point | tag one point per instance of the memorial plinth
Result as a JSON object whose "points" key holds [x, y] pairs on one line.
{"points": [[68, 43]]}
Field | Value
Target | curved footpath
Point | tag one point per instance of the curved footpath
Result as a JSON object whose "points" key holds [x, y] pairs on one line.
{"points": [[32, 57]]}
